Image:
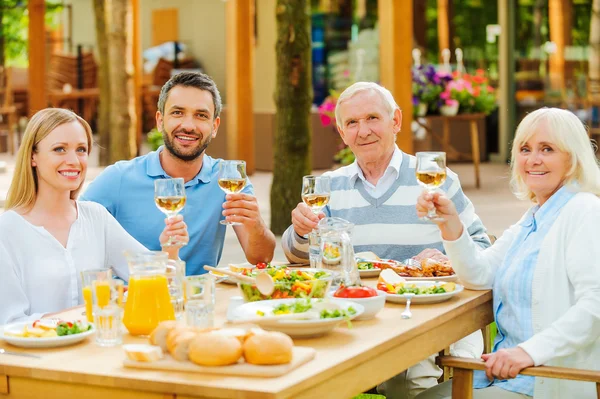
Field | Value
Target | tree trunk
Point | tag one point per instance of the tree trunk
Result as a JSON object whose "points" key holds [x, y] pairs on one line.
{"points": [[594, 57], [104, 83], [122, 115], [420, 23], [293, 99], [537, 23]]}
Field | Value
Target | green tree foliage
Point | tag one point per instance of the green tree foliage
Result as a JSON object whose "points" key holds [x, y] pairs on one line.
{"points": [[14, 22]]}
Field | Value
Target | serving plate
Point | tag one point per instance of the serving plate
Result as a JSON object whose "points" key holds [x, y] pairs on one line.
{"points": [[426, 298], [51, 342], [293, 328]]}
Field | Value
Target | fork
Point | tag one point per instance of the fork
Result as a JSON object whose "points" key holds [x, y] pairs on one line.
{"points": [[5, 352], [407, 314]]}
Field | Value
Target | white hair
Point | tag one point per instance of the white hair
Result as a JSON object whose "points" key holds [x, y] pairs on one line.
{"points": [[359, 87], [570, 136]]}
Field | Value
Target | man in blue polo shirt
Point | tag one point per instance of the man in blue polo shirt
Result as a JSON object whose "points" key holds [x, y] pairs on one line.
{"points": [[188, 117]]}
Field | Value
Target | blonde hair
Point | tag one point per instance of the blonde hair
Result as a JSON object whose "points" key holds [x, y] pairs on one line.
{"points": [[569, 135], [359, 87], [24, 185]]}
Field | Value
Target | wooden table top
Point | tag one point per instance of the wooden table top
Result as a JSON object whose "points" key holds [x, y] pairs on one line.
{"points": [[348, 361]]}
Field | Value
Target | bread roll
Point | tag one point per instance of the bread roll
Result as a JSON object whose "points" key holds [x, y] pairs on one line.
{"points": [[211, 349], [268, 348], [158, 337], [240, 333], [179, 348]]}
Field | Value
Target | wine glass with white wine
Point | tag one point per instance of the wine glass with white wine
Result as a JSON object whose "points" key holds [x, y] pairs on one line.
{"points": [[431, 174], [169, 196], [232, 179], [316, 191]]}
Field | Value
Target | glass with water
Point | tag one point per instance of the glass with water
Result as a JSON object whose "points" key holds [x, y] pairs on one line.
{"points": [[200, 301], [107, 298]]}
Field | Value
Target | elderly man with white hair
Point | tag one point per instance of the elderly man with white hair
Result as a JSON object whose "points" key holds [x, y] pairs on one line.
{"points": [[378, 193]]}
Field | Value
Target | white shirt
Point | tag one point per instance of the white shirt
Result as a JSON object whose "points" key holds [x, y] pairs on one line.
{"points": [[38, 275], [385, 182], [565, 306]]}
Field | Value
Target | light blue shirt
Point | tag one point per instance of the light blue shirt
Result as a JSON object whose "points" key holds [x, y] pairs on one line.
{"points": [[513, 287], [126, 189]]}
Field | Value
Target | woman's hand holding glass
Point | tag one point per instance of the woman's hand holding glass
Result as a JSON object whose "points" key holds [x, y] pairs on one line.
{"points": [[447, 217]]}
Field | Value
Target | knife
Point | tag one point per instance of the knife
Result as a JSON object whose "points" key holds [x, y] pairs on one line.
{"points": [[5, 352]]}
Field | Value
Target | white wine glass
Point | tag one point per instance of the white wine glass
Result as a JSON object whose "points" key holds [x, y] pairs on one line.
{"points": [[316, 191], [169, 196], [232, 179], [431, 174]]}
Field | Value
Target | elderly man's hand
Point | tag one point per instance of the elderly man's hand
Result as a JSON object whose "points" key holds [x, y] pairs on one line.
{"points": [[506, 363], [304, 220], [242, 208], [431, 253]]}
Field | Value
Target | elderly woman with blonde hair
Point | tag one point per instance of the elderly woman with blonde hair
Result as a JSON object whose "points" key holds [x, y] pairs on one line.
{"points": [[544, 270], [46, 236]]}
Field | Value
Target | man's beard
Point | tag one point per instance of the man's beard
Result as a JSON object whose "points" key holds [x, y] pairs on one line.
{"points": [[183, 156]]}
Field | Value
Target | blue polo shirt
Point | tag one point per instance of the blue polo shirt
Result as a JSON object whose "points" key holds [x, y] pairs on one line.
{"points": [[126, 190]]}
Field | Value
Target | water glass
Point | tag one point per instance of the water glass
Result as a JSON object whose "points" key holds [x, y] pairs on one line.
{"points": [[87, 278], [107, 298], [314, 249], [175, 273], [200, 301]]}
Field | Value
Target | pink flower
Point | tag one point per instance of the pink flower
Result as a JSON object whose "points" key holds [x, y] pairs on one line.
{"points": [[451, 103], [326, 120]]}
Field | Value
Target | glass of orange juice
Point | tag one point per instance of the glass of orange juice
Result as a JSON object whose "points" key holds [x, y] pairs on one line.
{"points": [[87, 278], [107, 299]]}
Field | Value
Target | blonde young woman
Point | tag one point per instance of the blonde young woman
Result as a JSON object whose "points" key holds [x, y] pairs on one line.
{"points": [[46, 236], [544, 270]]}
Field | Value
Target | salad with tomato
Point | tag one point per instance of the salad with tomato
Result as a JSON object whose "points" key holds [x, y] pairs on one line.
{"points": [[50, 328], [298, 283]]}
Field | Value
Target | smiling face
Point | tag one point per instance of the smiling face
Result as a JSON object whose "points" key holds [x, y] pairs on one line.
{"points": [[542, 165], [188, 124], [367, 127], [60, 159]]}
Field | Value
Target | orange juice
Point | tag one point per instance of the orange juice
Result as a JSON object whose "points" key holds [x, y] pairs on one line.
{"points": [[148, 303], [87, 299], [102, 293]]}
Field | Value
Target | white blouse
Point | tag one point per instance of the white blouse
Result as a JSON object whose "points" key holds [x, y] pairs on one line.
{"points": [[38, 275]]}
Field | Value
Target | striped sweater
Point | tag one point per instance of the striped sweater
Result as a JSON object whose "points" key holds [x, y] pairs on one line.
{"points": [[388, 225]]}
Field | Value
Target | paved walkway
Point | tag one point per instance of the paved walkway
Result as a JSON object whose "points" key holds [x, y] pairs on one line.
{"points": [[494, 202]]}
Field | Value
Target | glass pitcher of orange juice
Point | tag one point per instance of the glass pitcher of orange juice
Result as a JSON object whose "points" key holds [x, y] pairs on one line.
{"points": [[148, 300]]}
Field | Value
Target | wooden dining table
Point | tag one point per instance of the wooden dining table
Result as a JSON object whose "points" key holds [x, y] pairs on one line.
{"points": [[348, 360]]}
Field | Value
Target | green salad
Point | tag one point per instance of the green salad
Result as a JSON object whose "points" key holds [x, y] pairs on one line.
{"points": [[305, 306], [290, 284]]}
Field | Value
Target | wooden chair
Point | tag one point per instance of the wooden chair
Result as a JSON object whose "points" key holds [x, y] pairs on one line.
{"points": [[462, 382], [8, 110]]}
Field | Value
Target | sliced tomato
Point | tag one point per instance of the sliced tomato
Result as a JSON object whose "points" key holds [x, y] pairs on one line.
{"points": [[261, 265], [355, 292]]}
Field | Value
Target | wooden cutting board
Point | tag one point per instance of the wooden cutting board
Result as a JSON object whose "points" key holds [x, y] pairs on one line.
{"points": [[300, 356]]}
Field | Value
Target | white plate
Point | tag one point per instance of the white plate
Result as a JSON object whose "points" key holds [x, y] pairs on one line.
{"points": [[53, 342], [432, 298], [453, 277], [294, 328]]}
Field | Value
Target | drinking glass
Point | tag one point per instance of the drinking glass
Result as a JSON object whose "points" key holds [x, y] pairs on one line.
{"points": [[316, 191], [87, 278], [169, 196], [232, 179], [175, 275], [431, 174], [200, 301], [107, 298]]}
